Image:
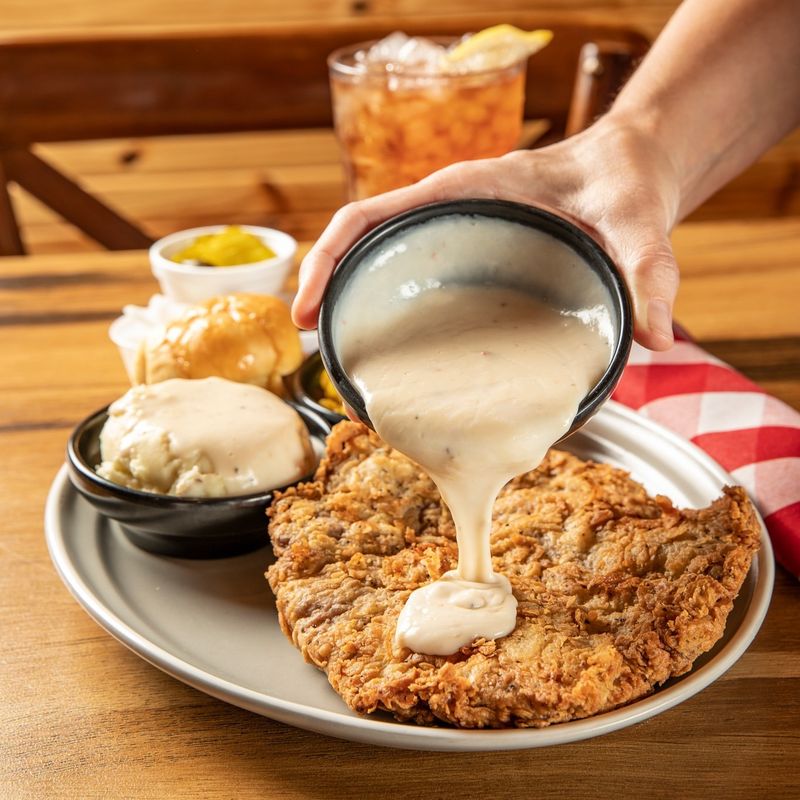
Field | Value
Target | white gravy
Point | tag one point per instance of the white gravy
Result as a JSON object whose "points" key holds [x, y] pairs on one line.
{"points": [[474, 383]]}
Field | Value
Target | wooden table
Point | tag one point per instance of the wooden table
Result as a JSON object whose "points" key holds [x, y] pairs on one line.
{"points": [[82, 717]]}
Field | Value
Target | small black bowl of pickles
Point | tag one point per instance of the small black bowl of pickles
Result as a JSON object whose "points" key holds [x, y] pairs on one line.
{"points": [[311, 387]]}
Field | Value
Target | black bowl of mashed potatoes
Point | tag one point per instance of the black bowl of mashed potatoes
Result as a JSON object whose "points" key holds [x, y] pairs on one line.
{"points": [[208, 504]]}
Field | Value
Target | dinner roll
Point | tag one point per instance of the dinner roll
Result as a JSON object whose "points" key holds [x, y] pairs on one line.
{"points": [[247, 338]]}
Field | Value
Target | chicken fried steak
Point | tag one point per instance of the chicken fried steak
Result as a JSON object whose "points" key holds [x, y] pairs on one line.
{"points": [[618, 591]]}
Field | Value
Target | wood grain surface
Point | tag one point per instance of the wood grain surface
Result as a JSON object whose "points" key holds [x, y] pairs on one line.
{"points": [[171, 183], [82, 717], [88, 15]]}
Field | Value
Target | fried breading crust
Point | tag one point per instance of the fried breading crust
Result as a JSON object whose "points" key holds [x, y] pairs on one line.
{"points": [[618, 591]]}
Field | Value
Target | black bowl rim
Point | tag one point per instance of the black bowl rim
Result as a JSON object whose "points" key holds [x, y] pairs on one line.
{"points": [[254, 499], [301, 395], [532, 216]]}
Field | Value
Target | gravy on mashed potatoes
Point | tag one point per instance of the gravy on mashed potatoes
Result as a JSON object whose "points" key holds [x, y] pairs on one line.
{"points": [[203, 438]]}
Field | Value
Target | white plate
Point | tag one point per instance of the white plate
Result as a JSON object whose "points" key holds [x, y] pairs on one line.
{"points": [[213, 625]]}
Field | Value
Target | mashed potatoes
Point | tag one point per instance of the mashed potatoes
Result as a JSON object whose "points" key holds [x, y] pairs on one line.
{"points": [[203, 438]]}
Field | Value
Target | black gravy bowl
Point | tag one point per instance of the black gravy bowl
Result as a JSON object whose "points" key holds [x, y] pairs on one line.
{"points": [[185, 527], [593, 256]]}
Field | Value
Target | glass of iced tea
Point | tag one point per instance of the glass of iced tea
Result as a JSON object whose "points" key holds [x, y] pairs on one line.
{"points": [[398, 120]]}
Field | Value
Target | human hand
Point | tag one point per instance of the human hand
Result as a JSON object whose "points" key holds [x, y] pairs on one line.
{"points": [[610, 180]]}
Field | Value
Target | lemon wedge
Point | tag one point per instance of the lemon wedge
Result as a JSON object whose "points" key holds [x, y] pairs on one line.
{"points": [[497, 47]]}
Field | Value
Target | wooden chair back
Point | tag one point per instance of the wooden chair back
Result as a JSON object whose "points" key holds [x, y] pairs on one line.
{"points": [[144, 83]]}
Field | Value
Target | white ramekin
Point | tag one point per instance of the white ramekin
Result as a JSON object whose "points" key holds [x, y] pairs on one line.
{"points": [[188, 284]]}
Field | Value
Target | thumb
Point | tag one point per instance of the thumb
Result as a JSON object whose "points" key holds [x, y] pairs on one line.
{"points": [[355, 219], [652, 275], [348, 224]]}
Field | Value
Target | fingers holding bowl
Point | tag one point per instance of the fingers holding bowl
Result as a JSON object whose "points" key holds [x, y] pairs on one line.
{"points": [[355, 219]]}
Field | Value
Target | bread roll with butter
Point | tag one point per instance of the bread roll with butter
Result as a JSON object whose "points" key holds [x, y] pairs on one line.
{"points": [[247, 338]]}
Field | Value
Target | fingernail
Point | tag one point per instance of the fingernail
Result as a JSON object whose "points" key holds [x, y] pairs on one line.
{"points": [[659, 318]]}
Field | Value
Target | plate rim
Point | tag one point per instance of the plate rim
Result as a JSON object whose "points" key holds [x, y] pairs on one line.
{"points": [[404, 735]]}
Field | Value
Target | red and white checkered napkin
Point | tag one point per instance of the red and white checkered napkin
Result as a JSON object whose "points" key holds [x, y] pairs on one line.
{"points": [[753, 435]]}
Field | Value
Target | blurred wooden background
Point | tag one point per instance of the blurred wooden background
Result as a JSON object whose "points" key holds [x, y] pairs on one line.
{"points": [[290, 178]]}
